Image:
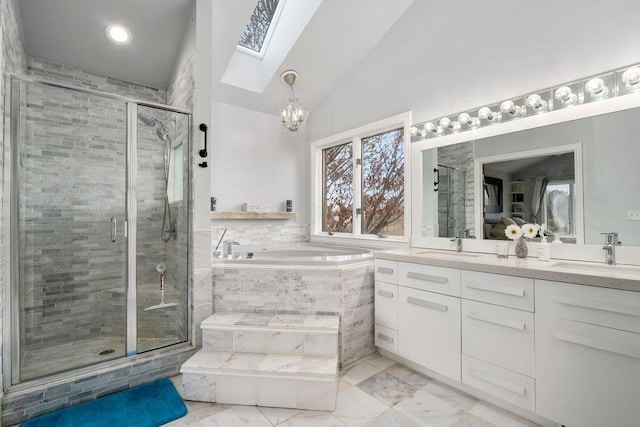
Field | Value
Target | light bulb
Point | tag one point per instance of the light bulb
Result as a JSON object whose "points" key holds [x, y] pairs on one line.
{"points": [[431, 128], [445, 122], [565, 95], [631, 77], [596, 88], [536, 103], [468, 120], [508, 107], [486, 114], [414, 131]]}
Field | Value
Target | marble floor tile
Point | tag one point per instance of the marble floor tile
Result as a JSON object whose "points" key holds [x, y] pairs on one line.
{"points": [[359, 372], [277, 416], [355, 403], [387, 388], [429, 410], [498, 417], [237, 416], [379, 361], [417, 379], [392, 418], [459, 399], [469, 420], [399, 371], [317, 419]]}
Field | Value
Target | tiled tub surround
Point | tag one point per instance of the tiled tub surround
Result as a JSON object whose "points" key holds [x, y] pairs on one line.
{"points": [[525, 334], [345, 290]]}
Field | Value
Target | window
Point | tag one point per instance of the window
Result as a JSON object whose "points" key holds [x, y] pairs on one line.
{"points": [[559, 207], [256, 35], [360, 184]]}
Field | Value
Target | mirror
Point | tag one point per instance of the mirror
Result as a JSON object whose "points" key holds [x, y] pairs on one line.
{"points": [[584, 171]]}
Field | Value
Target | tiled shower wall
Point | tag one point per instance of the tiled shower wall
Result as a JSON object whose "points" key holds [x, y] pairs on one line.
{"points": [[13, 59], [460, 156], [262, 232]]}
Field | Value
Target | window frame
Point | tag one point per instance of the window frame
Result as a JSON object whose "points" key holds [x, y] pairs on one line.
{"points": [[267, 38], [355, 137]]}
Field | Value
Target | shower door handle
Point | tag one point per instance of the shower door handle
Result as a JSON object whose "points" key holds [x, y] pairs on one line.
{"points": [[114, 229]]}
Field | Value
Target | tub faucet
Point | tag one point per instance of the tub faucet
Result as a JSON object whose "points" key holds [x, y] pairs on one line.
{"points": [[227, 247], [609, 246], [459, 234]]}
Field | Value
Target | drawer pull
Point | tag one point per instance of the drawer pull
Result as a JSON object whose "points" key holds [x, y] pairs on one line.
{"points": [[427, 304], [515, 388], [599, 345], [611, 307], [385, 270], [385, 294], [507, 290], [514, 324], [427, 277], [385, 338]]}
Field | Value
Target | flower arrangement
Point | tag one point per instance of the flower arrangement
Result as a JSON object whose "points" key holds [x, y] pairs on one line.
{"points": [[529, 231]]}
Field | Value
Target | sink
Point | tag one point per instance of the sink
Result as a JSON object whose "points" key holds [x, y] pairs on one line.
{"points": [[449, 254], [591, 267]]}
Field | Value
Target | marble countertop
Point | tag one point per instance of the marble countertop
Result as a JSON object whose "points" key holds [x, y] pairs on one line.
{"points": [[622, 277]]}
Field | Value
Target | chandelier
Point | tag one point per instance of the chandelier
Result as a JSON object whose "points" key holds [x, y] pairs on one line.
{"points": [[293, 115]]}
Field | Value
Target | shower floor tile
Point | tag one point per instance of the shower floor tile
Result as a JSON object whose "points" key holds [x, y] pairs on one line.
{"points": [[64, 357]]}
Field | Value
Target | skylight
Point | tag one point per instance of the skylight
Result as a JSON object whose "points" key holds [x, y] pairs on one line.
{"points": [[256, 35]]}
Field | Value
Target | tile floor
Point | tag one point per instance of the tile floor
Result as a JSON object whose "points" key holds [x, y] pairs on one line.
{"points": [[375, 392]]}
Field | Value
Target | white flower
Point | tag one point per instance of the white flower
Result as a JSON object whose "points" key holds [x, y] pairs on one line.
{"points": [[513, 232], [530, 230]]}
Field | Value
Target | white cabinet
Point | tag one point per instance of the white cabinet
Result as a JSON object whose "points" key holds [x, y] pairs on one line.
{"points": [[429, 330], [587, 355], [499, 289], [386, 304], [441, 280]]}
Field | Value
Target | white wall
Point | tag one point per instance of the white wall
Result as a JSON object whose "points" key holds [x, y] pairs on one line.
{"points": [[442, 57], [254, 160]]}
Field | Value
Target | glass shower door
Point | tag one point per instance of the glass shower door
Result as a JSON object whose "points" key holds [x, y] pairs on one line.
{"points": [[70, 173], [451, 201]]}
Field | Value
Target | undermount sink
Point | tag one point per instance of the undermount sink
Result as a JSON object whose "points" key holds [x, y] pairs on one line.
{"points": [[449, 254], [594, 267]]}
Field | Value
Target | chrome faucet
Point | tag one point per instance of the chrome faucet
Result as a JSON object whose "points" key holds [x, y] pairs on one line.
{"points": [[609, 246], [459, 234], [227, 247]]}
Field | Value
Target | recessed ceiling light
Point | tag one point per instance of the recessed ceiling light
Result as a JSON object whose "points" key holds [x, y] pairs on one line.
{"points": [[118, 34]]}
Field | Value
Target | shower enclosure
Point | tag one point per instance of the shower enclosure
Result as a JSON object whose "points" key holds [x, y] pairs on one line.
{"points": [[97, 196], [451, 200]]}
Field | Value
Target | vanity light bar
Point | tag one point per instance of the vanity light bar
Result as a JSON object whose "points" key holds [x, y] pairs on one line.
{"points": [[590, 89]]}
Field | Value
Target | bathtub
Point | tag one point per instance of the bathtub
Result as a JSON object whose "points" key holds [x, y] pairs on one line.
{"points": [[297, 254], [303, 279]]}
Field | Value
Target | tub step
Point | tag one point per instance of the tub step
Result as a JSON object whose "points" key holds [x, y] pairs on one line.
{"points": [[276, 380], [269, 333]]}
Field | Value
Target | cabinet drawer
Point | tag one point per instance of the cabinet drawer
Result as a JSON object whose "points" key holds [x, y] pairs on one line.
{"points": [[508, 291], [386, 271], [599, 306], [499, 335], [502, 383], [386, 304], [429, 330], [430, 278], [386, 339], [586, 375]]}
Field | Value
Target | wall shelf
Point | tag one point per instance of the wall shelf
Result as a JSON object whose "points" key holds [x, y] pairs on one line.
{"points": [[252, 215]]}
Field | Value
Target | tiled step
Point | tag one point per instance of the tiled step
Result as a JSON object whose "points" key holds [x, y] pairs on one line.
{"points": [[296, 381], [269, 333]]}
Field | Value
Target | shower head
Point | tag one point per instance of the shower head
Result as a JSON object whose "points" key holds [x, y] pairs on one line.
{"points": [[161, 268], [162, 132], [147, 120]]}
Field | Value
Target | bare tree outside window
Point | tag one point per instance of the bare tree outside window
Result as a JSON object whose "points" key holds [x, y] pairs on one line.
{"points": [[337, 212], [383, 183], [258, 26]]}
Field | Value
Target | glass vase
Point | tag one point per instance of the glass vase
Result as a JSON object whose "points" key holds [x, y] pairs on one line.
{"points": [[521, 248]]}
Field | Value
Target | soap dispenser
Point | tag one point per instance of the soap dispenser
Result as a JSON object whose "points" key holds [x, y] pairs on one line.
{"points": [[544, 249]]}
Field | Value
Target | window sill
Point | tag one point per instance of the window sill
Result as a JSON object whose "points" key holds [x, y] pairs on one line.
{"points": [[252, 215], [367, 242]]}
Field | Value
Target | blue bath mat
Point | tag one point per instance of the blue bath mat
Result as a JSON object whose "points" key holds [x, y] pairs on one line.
{"points": [[147, 405]]}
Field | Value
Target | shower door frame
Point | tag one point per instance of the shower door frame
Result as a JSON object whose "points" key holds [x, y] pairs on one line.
{"points": [[11, 225]]}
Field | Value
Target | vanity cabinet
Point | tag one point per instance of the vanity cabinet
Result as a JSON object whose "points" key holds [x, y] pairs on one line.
{"points": [[587, 355], [386, 305]]}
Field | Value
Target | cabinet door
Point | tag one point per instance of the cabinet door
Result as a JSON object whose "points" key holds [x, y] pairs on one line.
{"points": [[498, 335], [386, 271], [429, 330], [499, 289], [386, 305]]}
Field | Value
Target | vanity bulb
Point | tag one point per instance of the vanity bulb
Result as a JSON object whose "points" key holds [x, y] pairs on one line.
{"points": [[468, 120], [446, 123], [486, 114], [508, 107], [566, 96], [536, 103], [431, 128], [414, 131], [596, 88], [631, 77]]}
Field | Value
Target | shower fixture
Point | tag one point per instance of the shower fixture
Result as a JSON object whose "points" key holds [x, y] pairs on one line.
{"points": [[169, 227]]}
